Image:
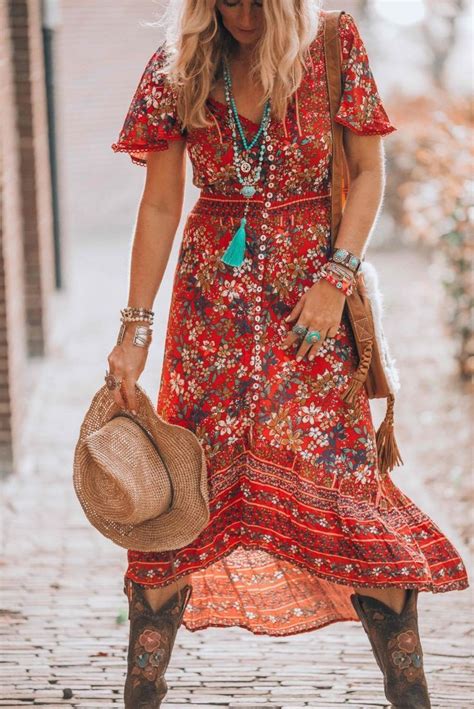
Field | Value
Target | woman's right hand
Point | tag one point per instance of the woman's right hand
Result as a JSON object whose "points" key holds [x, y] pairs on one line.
{"points": [[127, 362]]}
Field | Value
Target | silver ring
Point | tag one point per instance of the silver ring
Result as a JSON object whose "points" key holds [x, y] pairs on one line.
{"points": [[299, 329]]}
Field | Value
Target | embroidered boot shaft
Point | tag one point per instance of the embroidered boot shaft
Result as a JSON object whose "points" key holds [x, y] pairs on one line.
{"points": [[151, 641], [397, 649]]}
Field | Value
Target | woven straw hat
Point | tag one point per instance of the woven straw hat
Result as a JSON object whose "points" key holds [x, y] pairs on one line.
{"points": [[141, 481]]}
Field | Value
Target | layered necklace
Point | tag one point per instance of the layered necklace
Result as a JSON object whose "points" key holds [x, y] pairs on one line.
{"points": [[247, 174]]}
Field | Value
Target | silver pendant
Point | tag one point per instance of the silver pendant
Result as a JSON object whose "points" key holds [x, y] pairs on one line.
{"points": [[245, 166], [248, 191]]}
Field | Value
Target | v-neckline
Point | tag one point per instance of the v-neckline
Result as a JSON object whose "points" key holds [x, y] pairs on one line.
{"points": [[242, 118]]}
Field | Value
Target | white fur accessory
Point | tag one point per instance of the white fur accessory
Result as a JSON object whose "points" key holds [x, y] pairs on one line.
{"points": [[375, 295]]}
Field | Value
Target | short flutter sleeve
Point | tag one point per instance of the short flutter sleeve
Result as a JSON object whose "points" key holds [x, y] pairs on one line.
{"points": [[151, 119], [361, 109]]}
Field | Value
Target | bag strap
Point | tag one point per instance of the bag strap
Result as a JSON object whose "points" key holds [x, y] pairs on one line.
{"points": [[388, 453], [339, 172]]}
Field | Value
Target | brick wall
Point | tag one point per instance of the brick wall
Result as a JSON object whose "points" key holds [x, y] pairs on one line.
{"points": [[26, 242], [35, 197], [12, 331]]}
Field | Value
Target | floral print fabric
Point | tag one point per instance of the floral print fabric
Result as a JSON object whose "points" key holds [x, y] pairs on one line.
{"points": [[151, 120], [361, 107], [299, 511]]}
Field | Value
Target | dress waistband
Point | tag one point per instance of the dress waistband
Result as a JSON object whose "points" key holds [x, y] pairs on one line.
{"points": [[215, 203]]}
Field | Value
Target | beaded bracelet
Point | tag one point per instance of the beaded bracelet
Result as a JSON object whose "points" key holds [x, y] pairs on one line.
{"points": [[132, 311], [140, 309], [131, 314], [137, 318], [340, 271], [344, 282]]}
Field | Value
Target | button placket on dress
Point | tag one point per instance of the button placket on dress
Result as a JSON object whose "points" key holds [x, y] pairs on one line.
{"points": [[258, 330]]}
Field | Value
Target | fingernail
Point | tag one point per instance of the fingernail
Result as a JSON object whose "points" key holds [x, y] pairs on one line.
{"points": [[299, 358], [287, 318], [134, 412]]}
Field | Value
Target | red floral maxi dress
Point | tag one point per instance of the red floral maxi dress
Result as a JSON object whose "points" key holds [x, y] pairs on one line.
{"points": [[299, 512]]}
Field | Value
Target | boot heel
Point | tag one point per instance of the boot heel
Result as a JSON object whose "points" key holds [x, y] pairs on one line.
{"points": [[151, 641]]}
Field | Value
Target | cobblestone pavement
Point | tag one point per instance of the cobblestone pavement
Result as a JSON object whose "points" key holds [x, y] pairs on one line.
{"points": [[62, 582]]}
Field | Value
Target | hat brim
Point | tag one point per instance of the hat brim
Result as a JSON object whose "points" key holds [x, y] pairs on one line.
{"points": [[185, 460]]}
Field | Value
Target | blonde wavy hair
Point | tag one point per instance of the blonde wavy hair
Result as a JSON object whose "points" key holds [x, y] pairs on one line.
{"points": [[196, 40]]}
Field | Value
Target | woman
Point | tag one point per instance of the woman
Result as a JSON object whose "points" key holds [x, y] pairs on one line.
{"points": [[304, 530]]}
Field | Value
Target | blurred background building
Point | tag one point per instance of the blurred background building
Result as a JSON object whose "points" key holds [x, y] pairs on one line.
{"points": [[29, 226]]}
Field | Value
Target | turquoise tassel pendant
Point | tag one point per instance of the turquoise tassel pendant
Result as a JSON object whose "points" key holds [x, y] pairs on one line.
{"points": [[235, 252]]}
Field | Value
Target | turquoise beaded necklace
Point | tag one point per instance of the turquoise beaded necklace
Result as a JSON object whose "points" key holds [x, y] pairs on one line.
{"points": [[235, 252]]}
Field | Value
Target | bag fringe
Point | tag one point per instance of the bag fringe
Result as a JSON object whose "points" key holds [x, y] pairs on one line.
{"points": [[360, 375], [387, 449]]}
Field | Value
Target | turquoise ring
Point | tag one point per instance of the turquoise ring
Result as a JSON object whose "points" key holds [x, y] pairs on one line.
{"points": [[312, 336]]}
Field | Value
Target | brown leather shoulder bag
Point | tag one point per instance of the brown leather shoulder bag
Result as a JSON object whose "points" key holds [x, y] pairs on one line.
{"points": [[375, 370]]}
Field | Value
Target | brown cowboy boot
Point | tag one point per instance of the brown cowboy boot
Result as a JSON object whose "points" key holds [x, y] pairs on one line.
{"points": [[397, 648], [151, 641]]}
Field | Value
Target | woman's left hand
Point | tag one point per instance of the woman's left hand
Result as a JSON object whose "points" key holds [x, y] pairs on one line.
{"points": [[319, 308]]}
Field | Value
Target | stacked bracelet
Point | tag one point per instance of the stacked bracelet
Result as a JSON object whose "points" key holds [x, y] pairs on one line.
{"points": [[338, 277], [143, 333]]}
